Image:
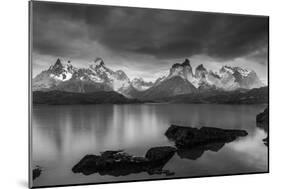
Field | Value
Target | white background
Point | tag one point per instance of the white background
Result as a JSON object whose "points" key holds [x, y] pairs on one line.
{"points": [[14, 92]]}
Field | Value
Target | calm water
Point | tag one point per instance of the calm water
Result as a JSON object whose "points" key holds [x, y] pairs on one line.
{"points": [[62, 135]]}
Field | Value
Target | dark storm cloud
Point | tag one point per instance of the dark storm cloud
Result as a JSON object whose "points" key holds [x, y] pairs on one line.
{"points": [[260, 56], [64, 29]]}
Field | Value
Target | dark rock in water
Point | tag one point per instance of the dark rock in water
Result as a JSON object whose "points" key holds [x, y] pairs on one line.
{"points": [[87, 164], [262, 119], [36, 172], [119, 163], [189, 137], [196, 152], [158, 154], [266, 141]]}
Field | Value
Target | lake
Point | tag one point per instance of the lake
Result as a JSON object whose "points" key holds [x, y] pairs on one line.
{"points": [[62, 135]]}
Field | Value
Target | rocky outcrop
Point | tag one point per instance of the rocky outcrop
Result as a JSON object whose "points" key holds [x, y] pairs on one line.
{"points": [[36, 172], [196, 152], [183, 70], [200, 71], [119, 163], [266, 141], [262, 119], [189, 137]]}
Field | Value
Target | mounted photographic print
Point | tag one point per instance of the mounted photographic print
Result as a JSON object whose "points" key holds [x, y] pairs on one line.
{"points": [[121, 94]]}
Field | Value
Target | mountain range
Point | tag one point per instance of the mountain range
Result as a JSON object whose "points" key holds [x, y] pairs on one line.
{"points": [[181, 80]]}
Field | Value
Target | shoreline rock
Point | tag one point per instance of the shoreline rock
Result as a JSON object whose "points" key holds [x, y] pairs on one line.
{"points": [[262, 119], [189, 137], [197, 152], [36, 172], [119, 163]]}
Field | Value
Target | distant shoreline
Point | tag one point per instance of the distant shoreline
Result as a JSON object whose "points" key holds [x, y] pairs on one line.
{"points": [[254, 96]]}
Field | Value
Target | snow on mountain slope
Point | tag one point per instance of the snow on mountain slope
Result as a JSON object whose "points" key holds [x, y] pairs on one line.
{"points": [[180, 80], [56, 73], [43, 82], [140, 84], [118, 80], [184, 70], [201, 80], [169, 87], [66, 77], [159, 80], [61, 71], [229, 78], [236, 77]]}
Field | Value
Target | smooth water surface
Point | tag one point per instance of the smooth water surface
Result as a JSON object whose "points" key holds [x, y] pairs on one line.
{"points": [[62, 135]]}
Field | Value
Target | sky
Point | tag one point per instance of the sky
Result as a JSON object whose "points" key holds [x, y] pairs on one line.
{"points": [[146, 42]]}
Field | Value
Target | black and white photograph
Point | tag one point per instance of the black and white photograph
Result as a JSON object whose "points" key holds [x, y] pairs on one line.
{"points": [[120, 94]]}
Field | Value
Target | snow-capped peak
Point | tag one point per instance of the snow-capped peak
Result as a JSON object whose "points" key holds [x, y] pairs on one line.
{"points": [[227, 69], [232, 70], [99, 77], [243, 72], [58, 64], [99, 61], [239, 78], [186, 63], [117, 80], [184, 70], [61, 71], [98, 66], [200, 67], [200, 71]]}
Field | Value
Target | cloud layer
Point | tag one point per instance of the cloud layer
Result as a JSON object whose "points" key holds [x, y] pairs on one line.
{"points": [[79, 31]]}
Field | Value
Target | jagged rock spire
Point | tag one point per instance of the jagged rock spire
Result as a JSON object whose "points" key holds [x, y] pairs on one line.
{"points": [[57, 65], [200, 67], [99, 61], [58, 62], [186, 62], [200, 71]]}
